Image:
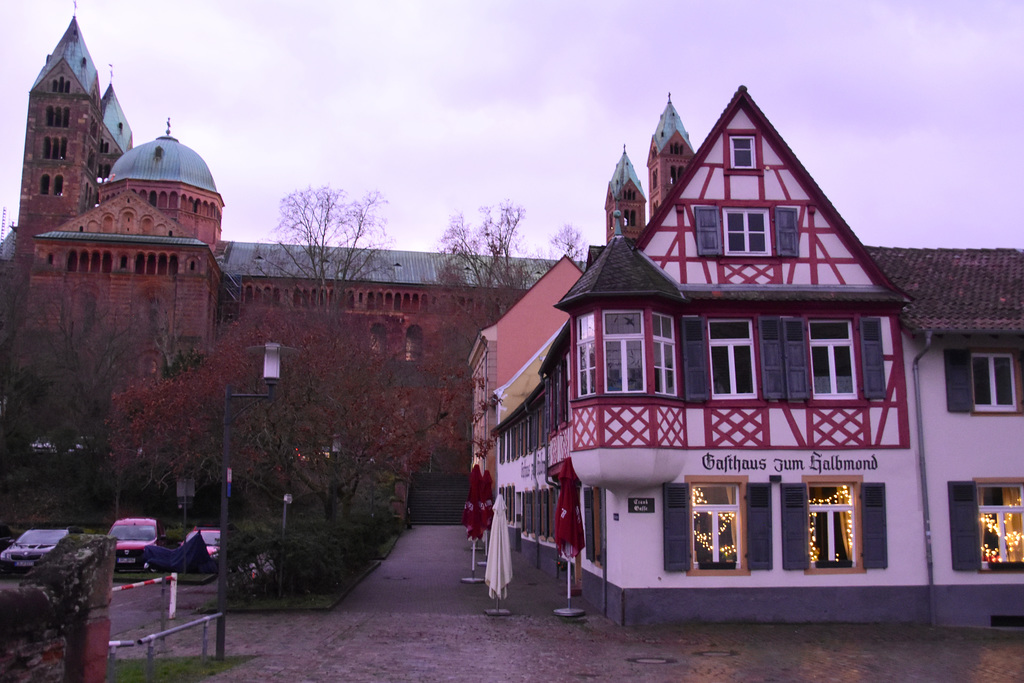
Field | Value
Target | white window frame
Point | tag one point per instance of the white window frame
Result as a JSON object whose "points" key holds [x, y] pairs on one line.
{"points": [[733, 163], [831, 347], [832, 508], [625, 344], [664, 336], [745, 232], [992, 376], [586, 355], [732, 344], [716, 511], [992, 520]]}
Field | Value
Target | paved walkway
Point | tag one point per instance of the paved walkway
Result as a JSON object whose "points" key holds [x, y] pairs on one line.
{"points": [[414, 620]]}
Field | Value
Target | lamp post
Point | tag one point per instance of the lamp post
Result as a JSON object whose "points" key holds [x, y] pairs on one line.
{"points": [[271, 374]]}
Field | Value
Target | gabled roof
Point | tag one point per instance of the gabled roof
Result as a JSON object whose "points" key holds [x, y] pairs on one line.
{"points": [[669, 124], [742, 101], [623, 174], [115, 120], [621, 270], [958, 290], [72, 50]]}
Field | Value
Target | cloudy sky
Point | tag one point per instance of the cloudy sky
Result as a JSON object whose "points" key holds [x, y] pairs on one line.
{"points": [[904, 112]]}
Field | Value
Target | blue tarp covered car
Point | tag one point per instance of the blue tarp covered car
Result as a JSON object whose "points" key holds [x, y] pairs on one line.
{"points": [[192, 555]]}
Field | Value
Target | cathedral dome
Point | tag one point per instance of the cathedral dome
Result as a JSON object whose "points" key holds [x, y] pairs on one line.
{"points": [[164, 159]]}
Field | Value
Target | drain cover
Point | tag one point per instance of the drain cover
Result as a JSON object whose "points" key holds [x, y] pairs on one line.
{"points": [[651, 660]]}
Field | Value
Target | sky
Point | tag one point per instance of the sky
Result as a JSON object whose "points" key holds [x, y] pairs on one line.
{"points": [[903, 112]]}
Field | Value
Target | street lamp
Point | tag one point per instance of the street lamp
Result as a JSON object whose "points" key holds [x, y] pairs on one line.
{"points": [[271, 374]]}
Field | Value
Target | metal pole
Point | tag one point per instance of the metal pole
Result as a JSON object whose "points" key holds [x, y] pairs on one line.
{"points": [[222, 552]]}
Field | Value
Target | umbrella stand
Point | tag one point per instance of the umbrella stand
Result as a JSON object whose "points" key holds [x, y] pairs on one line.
{"points": [[497, 611], [569, 610], [474, 578]]}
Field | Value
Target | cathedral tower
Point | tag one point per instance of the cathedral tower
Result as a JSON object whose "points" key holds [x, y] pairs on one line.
{"points": [[669, 155], [72, 137], [625, 195]]}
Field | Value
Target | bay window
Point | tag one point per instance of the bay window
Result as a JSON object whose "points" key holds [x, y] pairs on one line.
{"points": [[585, 355], [664, 354]]}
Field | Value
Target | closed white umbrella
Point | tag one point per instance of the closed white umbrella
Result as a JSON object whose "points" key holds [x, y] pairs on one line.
{"points": [[499, 560]]}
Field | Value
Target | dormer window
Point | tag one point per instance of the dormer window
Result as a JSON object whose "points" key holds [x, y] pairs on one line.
{"points": [[742, 151]]}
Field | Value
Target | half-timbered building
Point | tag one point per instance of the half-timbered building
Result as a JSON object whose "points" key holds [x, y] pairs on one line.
{"points": [[735, 404]]}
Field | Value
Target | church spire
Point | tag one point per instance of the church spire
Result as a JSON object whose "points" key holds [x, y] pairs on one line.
{"points": [[625, 195], [669, 155]]}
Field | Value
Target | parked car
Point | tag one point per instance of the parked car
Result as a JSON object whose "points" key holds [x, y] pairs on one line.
{"points": [[5, 536], [211, 537], [23, 554], [133, 534]]}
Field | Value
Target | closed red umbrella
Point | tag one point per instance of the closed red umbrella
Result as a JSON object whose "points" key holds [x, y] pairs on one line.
{"points": [[472, 518], [487, 500], [569, 537]]}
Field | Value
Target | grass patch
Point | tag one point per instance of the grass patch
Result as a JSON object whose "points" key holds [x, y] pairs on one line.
{"points": [[174, 669]]}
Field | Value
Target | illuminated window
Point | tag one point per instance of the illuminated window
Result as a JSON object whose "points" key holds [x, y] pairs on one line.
{"points": [[715, 526], [1001, 508], [586, 361], [664, 355], [832, 359], [623, 351], [831, 529], [732, 358]]}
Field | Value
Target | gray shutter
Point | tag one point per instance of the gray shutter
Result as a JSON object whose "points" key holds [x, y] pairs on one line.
{"points": [[798, 376], [759, 526], [795, 553], [872, 359], [708, 233], [959, 392], [876, 553], [787, 231], [965, 545], [588, 520], [677, 526], [695, 360], [773, 371]]}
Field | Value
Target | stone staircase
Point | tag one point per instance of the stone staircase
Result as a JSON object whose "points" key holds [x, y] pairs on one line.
{"points": [[438, 498]]}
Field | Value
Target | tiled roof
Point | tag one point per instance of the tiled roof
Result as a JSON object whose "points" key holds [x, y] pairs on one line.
{"points": [[120, 238], [958, 290], [790, 293], [622, 270]]}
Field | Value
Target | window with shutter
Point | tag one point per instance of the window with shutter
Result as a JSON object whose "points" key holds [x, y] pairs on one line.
{"points": [[798, 385], [677, 526], [876, 553], [787, 233], [759, 526], [695, 359], [958, 381], [963, 526], [708, 233], [773, 377], [794, 526], [872, 358]]}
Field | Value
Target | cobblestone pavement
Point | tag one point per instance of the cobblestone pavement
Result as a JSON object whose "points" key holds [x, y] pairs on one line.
{"points": [[413, 619]]}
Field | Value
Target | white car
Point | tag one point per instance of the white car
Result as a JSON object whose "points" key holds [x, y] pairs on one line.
{"points": [[23, 554]]}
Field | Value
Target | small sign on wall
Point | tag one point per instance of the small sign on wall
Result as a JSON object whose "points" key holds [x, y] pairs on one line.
{"points": [[641, 505]]}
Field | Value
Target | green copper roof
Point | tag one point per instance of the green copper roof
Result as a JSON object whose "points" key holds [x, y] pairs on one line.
{"points": [[669, 124], [65, 235], [164, 159], [623, 174], [115, 120], [72, 50]]}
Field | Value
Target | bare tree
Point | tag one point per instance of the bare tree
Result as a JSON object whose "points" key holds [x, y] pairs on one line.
{"points": [[324, 237], [487, 255], [568, 241]]}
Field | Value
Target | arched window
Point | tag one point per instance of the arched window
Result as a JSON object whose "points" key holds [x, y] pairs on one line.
{"points": [[151, 264], [46, 148], [124, 263], [72, 262], [140, 264], [51, 117], [414, 343], [94, 267], [152, 197], [66, 119], [172, 265], [64, 148], [58, 186], [108, 263], [378, 338], [161, 265]]}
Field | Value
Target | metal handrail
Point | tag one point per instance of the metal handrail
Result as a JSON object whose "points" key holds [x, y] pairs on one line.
{"points": [[151, 639]]}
